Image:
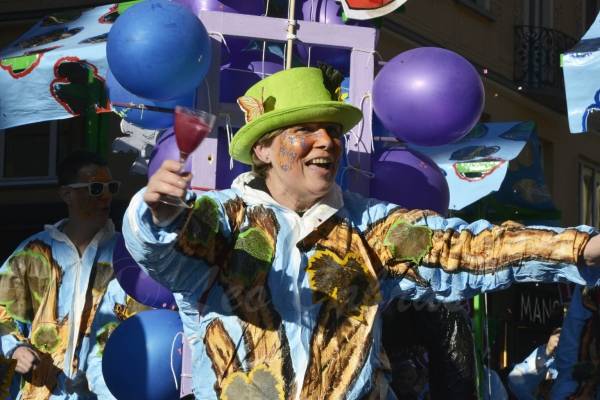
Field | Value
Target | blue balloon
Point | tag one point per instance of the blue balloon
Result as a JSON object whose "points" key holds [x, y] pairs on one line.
{"points": [[146, 118], [142, 358], [158, 50]]}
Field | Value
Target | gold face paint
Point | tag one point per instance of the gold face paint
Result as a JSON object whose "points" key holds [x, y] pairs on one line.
{"points": [[296, 142], [305, 160]]}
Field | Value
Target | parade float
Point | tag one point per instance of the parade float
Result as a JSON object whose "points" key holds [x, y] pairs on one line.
{"points": [[139, 59]]}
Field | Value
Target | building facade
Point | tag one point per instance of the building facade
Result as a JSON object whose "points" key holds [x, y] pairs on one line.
{"points": [[516, 46]]}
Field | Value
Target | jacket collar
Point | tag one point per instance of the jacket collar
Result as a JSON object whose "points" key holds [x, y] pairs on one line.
{"points": [[322, 210], [56, 233]]}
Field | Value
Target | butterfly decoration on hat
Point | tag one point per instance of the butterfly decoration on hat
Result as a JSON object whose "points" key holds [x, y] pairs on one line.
{"points": [[252, 107]]}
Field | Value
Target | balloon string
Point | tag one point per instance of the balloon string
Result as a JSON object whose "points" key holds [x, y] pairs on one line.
{"points": [[222, 39], [247, 71], [358, 138], [312, 18], [487, 347], [229, 138], [364, 172], [172, 367], [264, 50], [208, 95], [362, 100], [373, 52], [143, 107]]}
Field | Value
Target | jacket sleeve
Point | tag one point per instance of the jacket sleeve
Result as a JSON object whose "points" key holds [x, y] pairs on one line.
{"points": [[428, 256], [525, 377], [104, 323], [568, 350], [16, 308], [181, 256]]}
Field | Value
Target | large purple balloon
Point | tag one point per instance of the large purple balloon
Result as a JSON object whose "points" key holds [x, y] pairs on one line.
{"points": [[137, 283], [409, 179], [165, 149], [428, 96]]}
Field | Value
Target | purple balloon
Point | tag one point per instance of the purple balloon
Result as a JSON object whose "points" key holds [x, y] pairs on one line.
{"points": [[324, 11], [137, 283], [409, 179], [428, 96], [165, 149]]}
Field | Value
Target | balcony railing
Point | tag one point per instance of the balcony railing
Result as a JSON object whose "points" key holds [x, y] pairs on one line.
{"points": [[537, 59]]}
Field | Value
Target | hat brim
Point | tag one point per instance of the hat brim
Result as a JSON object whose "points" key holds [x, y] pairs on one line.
{"points": [[327, 111]]}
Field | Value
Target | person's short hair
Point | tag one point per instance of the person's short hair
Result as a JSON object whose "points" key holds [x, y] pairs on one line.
{"points": [[258, 167], [69, 168]]}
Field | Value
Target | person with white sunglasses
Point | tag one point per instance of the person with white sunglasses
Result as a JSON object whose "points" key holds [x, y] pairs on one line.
{"points": [[58, 291]]}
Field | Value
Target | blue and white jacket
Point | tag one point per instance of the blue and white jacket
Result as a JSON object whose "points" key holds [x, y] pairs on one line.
{"points": [[63, 305], [283, 306]]}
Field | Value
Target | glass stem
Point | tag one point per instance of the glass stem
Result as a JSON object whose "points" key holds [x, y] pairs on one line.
{"points": [[182, 159]]}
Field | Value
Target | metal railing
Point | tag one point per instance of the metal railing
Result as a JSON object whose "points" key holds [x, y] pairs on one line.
{"points": [[537, 57]]}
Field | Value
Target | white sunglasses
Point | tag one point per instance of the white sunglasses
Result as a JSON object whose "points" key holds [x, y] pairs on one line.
{"points": [[95, 189]]}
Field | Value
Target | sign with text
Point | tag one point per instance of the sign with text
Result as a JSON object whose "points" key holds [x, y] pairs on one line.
{"points": [[538, 306]]}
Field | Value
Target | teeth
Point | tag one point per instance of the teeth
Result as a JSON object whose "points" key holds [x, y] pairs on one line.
{"points": [[320, 161]]}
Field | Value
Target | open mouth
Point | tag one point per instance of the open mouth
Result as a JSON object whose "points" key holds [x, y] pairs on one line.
{"points": [[321, 162]]}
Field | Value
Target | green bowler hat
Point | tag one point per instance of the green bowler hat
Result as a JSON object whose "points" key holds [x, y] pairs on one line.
{"points": [[287, 98]]}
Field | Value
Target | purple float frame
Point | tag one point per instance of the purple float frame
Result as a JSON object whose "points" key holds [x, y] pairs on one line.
{"points": [[359, 40]]}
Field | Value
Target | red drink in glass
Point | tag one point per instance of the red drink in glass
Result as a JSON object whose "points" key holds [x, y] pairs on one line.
{"points": [[191, 127], [190, 130]]}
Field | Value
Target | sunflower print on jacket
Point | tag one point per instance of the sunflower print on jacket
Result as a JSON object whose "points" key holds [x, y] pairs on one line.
{"points": [[29, 294], [346, 265], [244, 265]]}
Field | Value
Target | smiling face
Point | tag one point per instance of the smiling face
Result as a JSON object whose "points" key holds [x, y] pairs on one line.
{"points": [[86, 208], [304, 160]]}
